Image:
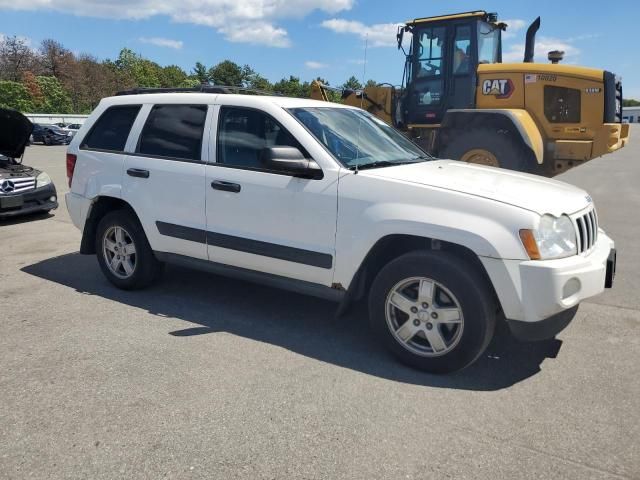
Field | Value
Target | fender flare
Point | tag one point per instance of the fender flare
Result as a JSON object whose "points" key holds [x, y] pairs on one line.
{"points": [[519, 119]]}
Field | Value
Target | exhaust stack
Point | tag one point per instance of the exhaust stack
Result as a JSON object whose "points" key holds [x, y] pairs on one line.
{"points": [[529, 49]]}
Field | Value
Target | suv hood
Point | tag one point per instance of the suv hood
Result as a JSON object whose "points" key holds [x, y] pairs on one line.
{"points": [[15, 130], [531, 192]]}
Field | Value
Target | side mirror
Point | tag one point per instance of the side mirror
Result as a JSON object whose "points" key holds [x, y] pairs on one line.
{"points": [[290, 160]]}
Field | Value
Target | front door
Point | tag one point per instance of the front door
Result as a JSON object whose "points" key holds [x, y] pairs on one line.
{"points": [[427, 86], [265, 220]]}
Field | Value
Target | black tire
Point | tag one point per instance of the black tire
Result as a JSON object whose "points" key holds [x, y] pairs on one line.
{"points": [[146, 268], [508, 151], [46, 140], [462, 280]]}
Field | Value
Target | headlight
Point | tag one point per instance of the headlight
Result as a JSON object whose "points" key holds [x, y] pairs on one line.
{"points": [[42, 180], [554, 238]]}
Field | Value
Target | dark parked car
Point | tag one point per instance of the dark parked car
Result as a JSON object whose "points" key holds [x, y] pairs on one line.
{"points": [[23, 189], [50, 135]]}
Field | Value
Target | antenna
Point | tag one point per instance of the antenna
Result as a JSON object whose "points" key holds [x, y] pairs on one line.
{"points": [[364, 68]]}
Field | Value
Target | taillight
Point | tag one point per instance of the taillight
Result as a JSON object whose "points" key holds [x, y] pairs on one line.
{"points": [[71, 165]]}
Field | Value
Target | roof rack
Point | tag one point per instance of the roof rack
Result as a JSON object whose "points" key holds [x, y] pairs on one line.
{"points": [[225, 89]]}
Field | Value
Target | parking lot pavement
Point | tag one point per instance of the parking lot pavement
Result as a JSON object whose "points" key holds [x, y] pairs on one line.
{"points": [[206, 377]]}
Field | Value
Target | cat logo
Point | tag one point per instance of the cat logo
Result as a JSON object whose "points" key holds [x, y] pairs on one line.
{"points": [[500, 88]]}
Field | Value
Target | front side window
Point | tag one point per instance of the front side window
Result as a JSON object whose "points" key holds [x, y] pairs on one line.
{"points": [[243, 133], [488, 43], [354, 137], [111, 130], [173, 131]]}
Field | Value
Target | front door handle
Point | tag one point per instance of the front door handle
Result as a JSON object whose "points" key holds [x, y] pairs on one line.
{"points": [[225, 186], [138, 172]]}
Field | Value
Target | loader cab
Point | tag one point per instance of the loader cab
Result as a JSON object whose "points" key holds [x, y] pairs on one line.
{"points": [[442, 61]]}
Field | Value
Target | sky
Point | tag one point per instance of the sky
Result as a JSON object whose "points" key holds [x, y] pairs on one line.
{"points": [[311, 38]]}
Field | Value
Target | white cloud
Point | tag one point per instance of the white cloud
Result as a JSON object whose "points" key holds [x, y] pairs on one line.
{"points": [[315, 65], [513, 26], [515, 52], [259, 33], [377, 35], [246, 21], [162, 42]]}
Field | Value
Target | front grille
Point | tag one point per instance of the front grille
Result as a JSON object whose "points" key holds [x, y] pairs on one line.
{"points": [[561, 104], [16, 184], [586, 230]]}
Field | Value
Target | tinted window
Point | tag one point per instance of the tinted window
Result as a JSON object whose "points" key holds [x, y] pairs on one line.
{"points": [[112, 129], [174, 131], [243, 133]]}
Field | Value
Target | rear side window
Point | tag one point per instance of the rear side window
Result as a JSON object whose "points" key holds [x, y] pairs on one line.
{"points": [[173, 131], [111, 130]]}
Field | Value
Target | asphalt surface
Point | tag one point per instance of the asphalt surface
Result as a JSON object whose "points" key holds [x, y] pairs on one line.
{"points": [[206, 377]]}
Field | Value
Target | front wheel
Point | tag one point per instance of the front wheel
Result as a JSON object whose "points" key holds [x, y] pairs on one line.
{"points": [[433, 310]]}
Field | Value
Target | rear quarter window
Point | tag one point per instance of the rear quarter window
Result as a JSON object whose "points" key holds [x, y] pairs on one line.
{"points": [[111, 130]]}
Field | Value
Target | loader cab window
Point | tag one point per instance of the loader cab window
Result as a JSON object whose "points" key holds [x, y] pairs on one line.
{"points": [[429, 66], [462, 50], [488, 43]]}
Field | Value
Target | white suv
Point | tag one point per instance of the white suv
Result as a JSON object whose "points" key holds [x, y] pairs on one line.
{"points": [[328, 200]]}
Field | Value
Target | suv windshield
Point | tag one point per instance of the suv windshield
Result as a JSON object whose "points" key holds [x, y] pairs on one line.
{"points": [[356, 138]]}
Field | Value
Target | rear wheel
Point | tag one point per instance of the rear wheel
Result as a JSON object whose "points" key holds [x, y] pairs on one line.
{"points": [[123, 252], [46, 140], [489, 147], [432, 310]]}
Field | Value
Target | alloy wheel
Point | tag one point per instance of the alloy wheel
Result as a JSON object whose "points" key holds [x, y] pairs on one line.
{"points": [[119, 252], [424, 316]]}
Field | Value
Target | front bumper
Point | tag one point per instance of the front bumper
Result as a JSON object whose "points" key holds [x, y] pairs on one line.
{"points": [[535, 290], [30, 201]]}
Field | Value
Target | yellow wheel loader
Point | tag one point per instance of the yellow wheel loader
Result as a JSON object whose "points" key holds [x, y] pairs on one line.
{"points": [[458, 100]]}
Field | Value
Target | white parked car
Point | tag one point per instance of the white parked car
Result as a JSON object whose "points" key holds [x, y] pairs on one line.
{"points": [[327, 200]]}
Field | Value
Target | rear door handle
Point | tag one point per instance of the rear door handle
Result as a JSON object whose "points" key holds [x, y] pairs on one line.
{"points": [[225, 186], [138, 172]]}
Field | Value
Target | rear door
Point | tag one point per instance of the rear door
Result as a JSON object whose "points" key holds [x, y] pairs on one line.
{"points": [[164, 177]]}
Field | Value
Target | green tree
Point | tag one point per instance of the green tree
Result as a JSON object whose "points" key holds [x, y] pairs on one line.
{"points": [[172, 76], [352, 84], [292, 87], [15, 95], [144, 73], [227, 73], [230, 73], [200, 73], [629, 102], [258, 82], [371, 83], [56, 99]]}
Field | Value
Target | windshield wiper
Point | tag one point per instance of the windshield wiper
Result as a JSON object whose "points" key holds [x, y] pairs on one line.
{"points": [[389, 163], [379, 163]]}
